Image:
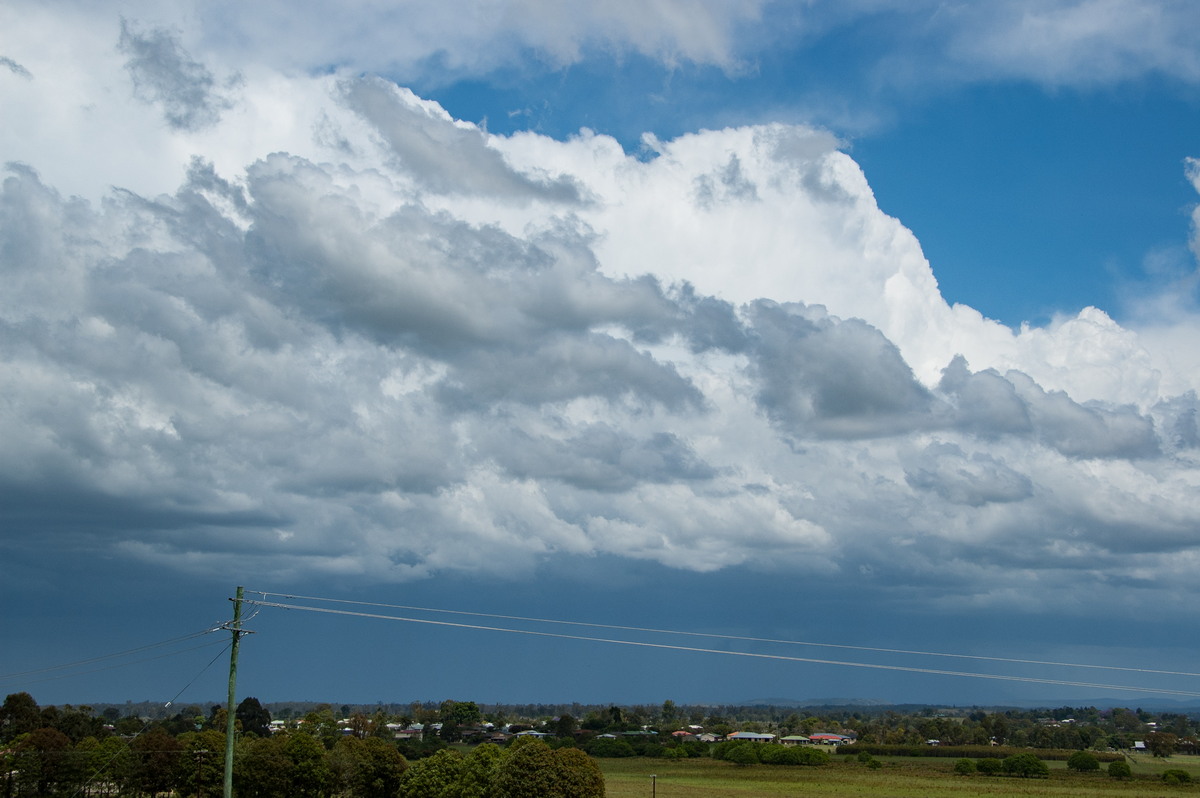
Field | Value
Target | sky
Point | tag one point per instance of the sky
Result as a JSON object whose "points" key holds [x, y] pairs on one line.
{"points": [[861, 325]]}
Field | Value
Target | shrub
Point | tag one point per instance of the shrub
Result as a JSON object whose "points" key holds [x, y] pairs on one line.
{"points": [[964, 767], [609, 747], [1119, 770], [743, 754], [1176, 776], [721, 749], [1082, 761], [1026, 766], [811, 756], [774, 754], [989, 766]]}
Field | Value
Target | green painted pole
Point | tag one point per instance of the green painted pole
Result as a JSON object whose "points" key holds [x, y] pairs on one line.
{"points": [[230, 707]]}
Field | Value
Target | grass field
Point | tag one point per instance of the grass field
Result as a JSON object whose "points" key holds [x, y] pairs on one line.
{"points": [[898, 778]]}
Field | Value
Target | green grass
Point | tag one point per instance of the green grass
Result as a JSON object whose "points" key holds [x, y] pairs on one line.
{"points": [[898, 778]]}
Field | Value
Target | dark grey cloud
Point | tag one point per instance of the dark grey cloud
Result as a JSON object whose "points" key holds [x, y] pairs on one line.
{"points": [[975, 480], [710, 323], [597, 457], [833, 378], [444, 158], [985, 403], [1089, 430], [1178, 422], [989, 405], [14, 67], [564, 368], [424, 277], [164, 74]]}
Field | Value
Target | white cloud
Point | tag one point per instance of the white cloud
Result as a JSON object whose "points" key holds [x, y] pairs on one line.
{"points": [[454, 37], [1077, 42], [358, 336]]}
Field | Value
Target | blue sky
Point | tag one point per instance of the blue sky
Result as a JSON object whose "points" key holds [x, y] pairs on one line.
{"points": [[824, 322]]}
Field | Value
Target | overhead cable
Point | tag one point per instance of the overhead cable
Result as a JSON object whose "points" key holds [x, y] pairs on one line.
{"points": [[716, 636], [810, 660]]}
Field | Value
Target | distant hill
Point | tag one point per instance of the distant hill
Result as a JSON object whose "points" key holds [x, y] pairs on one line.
{"points": [[1157, 704], [815, 702]]}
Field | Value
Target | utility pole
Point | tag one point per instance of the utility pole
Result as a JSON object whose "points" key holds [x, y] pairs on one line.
{"points": [[200, 771], [235, 627]]}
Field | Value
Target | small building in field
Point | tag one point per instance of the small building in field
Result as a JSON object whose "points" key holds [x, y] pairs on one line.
{"points": [[795, 739], [753, 737], [830, 739]]}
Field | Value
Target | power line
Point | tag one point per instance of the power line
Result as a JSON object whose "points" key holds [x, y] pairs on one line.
{"points": [[810, 660], [100, 770], [716, 636]]}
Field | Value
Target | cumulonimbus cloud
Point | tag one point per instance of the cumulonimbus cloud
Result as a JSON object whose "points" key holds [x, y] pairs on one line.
{"points": [[397, 344]]}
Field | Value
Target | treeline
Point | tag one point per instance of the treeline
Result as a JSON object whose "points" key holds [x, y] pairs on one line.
{"points": [[49, 752], [1063, 727], [970, 751]]}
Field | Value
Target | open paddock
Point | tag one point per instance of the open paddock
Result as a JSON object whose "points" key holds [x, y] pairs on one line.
{"points": [[898, 778]]}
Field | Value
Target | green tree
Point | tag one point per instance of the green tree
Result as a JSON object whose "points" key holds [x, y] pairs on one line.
{"points": [[528, 769], [669, 716], [1083, 762], [201, 764], [369, 768], [261, 769], [479, 771], [989, 766], [254, 717], [436, 776], [466, 713], [964, 767], [41, 759], [1026, 766], [310, 772], [578, 774], [111, 762], [321, 725], [565, 726], [154, 763], [19, 715], [79, 722], [1162, 744]]}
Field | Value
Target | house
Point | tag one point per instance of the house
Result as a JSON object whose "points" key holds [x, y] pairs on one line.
{"points": [[829, 739], [708, 737], [753, 737], [413, 732], [795, 739]]}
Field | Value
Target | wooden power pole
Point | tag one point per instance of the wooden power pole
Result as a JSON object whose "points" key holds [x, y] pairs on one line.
{"points": [[235, 627]]}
